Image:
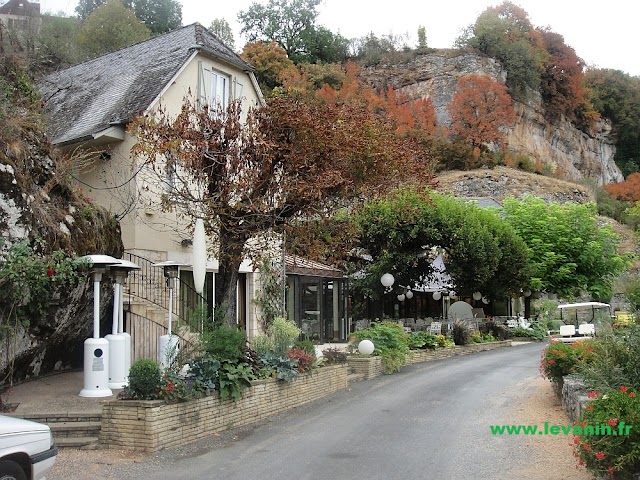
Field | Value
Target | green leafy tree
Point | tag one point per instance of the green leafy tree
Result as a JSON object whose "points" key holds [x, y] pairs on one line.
{"points": [[422, 37], [292, 25], [159, 16], [56, 46], [86, 7], [221, 29], [400, 232], [109, 28], [506, 34], [568, 250], [616, 96]]}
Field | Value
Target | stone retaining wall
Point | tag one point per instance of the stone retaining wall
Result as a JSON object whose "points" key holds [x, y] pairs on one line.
{"points": [[574, 397], [371, 367], [420, 356], [149, 426]]}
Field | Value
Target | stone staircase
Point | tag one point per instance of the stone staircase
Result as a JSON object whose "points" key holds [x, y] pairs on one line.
{"points": [[71, 430]]}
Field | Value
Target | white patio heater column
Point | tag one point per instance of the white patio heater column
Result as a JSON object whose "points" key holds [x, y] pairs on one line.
{"points": [[96, 349], [119, 341], [168, 344], [199, 259]]}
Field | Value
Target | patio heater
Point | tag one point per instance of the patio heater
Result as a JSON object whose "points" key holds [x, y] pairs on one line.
{"points": [[96, 349], [119, 340], [168, 344]]}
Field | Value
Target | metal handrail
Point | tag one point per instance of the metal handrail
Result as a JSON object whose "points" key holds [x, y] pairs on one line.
{"points": [[149, 284], [145, 333]]}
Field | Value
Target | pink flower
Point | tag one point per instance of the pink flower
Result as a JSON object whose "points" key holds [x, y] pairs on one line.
{"points": [[632, 394], [613, 422], [623, 389], [600, 455], [586, 447], [610, 470], [593, 394]]}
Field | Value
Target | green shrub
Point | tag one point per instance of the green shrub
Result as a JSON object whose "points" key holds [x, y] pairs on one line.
{"points": [[560, 359], [279, 338], [284, 369], [144, 380], [499, 331], [233, 378], [334, 356], [615, 360], [616, 455], [461, 332], [224, 342], [203, 373], [532, 333], [391, 342], [422, 340]]}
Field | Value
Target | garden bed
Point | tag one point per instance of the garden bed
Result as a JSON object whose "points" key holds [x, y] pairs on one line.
{"points": [[152, 425]]}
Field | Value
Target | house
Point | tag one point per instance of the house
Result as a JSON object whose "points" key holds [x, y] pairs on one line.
{"points": [[21, 17], [89, 107]]}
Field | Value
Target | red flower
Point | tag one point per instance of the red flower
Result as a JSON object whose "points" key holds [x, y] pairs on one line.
{"points": [[610, 470], [589, 408], [551, 362], [632, 394], [593, 394], [576, 439], [623, 389], [600, 455], [169, 386], [51, 272], [613, 422], [586, 447]]}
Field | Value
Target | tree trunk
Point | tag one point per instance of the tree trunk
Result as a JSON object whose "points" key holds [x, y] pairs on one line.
{"points": [[229, 260]]}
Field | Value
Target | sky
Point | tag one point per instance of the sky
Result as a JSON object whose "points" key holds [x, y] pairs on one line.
{"points": [[603, 36]]}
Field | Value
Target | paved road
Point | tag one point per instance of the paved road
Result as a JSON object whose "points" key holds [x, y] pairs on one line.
{"points": [[430, 421]]}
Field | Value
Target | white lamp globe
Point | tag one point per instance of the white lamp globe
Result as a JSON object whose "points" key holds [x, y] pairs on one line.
{"points": [[387, 280], [409, 294], [401, 297], [365, 347], [437, 296], [477, 296], [485, 300]]}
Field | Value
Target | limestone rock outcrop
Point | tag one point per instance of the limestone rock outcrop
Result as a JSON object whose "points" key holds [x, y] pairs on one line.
{"points": [[572, 152]]}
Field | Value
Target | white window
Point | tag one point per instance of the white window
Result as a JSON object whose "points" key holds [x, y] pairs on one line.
{"points": [[213, 88]]}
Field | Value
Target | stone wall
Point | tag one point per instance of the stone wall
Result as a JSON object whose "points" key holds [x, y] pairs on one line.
{"points": [[149, 426], [371, 367], [574, 397], [420, 356]]}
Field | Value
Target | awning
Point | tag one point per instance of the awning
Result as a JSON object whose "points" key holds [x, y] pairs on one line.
{"points": [[296, 265]]}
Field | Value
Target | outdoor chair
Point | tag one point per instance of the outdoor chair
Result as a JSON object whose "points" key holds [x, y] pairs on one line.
{"points": [[567, 333], [587, 330]]}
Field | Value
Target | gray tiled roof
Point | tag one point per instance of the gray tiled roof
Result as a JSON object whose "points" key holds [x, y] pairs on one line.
{"points": [[111, 89]]}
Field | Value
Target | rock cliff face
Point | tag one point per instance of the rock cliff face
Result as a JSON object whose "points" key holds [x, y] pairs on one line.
{"points": [[573, 153], [36, 206]]}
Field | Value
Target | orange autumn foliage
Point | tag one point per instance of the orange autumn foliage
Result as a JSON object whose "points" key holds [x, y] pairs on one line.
{"points": [[481, 111], [629, 190]]}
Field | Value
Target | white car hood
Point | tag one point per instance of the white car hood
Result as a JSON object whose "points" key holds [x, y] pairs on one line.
{"points": [[19, 425]]}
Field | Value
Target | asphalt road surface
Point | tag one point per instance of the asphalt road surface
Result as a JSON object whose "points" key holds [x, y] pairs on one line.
{"points": [[430, 421]]}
